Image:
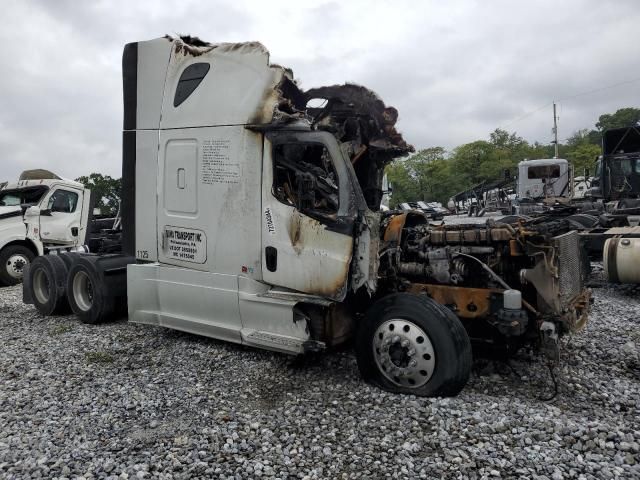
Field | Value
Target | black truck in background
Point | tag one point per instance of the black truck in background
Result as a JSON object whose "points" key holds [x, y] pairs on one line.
{"points": [[617, 177]]}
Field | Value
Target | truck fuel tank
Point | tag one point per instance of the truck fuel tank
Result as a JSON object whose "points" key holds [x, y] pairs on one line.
{"points": [[622, 260]]}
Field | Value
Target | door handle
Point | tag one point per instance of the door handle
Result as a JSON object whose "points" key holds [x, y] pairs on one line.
{"points": [[74, 231], [271, 256], [181, 179]]}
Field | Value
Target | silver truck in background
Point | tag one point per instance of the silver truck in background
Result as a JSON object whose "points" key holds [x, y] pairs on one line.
{"points": [[542, 183], [251, 213]]}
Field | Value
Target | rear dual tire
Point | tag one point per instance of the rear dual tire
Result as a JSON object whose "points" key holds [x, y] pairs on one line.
{"points": [[61, 284], [87, 293], [47, 282]]}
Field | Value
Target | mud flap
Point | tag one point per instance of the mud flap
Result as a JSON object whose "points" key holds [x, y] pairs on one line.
{"points": [[27, 288]]}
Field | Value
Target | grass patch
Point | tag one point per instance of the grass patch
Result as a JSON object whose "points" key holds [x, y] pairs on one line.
{"points": [[60, 329], [98, 357]]}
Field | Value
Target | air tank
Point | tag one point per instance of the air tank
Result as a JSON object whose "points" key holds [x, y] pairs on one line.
{"points": [[622, 260]]}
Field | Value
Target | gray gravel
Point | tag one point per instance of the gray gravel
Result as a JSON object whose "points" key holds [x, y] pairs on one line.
{"points": [[130, 401]]}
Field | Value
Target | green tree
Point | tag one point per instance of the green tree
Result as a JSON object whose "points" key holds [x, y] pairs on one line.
{"points": [[404, 186], [106, 191], [411, 178], [579, 137], [434, 174], [583, 157], [624, 117]]}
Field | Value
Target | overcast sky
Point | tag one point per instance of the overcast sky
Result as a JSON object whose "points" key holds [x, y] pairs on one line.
{"points": [[455, 70]]}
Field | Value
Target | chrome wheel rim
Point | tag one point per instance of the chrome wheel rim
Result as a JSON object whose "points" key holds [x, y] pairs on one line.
{"points": [[16, 264], [41, 286], [404, 353], [83, 291]]}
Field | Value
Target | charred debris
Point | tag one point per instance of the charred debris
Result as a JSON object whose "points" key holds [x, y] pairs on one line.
{"points": [[361, 122], [355, 115]]}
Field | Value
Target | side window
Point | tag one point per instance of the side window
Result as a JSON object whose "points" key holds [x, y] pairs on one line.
{"points": [[189, 81], [63, 201], [9, 200], [625, 166], [305, 178], [544, 171]]}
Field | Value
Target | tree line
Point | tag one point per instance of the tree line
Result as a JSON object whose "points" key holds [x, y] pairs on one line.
{"points": [[434, 174]]}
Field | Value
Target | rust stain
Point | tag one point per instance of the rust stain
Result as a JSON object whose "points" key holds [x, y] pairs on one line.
{"points": [[469, 302], [580, 311], [309, 235], [394, 229], [335, 289], [295, 232]]}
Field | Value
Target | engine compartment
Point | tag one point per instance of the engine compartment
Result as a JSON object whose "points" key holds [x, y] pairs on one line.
{"points": [[473, 270]]}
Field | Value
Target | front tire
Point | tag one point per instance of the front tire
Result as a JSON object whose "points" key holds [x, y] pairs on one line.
{"points": [[410, 344], [13, 259]]}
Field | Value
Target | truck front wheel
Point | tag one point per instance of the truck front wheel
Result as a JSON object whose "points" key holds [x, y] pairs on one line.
{"points": [[13, 259], [411, 344]]}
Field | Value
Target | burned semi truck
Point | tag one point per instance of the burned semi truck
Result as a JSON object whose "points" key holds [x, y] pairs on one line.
{"points": [[251, 214]]}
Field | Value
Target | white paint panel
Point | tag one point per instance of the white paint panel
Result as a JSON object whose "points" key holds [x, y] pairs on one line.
{"points": [[237, 90], [153, 59], [187, 300], [227, 198], [180, 176], [267, 314], [146, 194]]}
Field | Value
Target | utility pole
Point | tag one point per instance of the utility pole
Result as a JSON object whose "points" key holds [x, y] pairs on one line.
{"points": [[555, 130]]}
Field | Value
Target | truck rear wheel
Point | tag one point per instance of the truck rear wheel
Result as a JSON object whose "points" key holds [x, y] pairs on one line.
{"points": [[410, 344], [13, 259], [69, 258], [86, 294], [47, 279]]}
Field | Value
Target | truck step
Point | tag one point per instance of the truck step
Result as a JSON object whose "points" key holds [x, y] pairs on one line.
{"points": [[280, 343]]}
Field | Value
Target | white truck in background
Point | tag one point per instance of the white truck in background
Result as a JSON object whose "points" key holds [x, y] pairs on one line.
{"points": [[541, 183], [39, 214]]}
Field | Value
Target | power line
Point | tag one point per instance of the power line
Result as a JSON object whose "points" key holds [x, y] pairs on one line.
{"points": [[528, 114], [633, 80]]}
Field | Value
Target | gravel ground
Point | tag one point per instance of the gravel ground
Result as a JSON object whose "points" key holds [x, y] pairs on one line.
{"points": [[131, 401]]}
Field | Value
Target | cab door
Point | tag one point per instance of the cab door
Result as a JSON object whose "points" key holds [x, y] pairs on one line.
{"points": [[309, 212], [61, 216]]}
